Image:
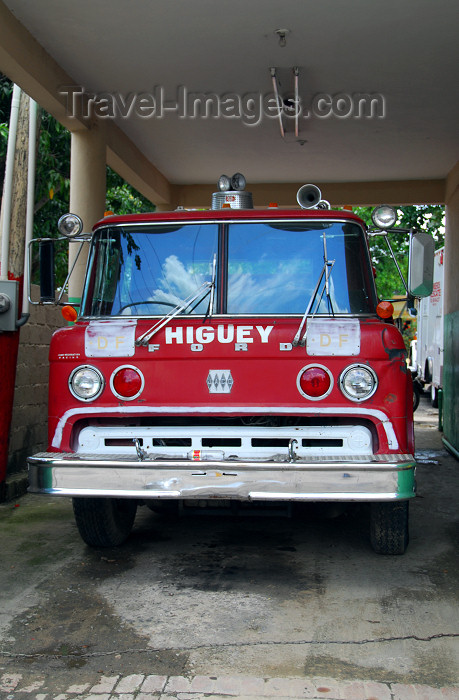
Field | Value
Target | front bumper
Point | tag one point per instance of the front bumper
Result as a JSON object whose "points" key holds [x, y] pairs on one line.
{"points": [[380, 478]]}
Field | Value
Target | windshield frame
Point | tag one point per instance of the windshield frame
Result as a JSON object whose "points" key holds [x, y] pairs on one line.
{"points": [[222, 270]]}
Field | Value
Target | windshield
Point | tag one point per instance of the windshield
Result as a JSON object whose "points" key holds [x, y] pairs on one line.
{"points": [[264, 268], [275, 268], [137, 271]]}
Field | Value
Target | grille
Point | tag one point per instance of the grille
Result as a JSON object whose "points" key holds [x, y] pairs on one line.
{"points": [[228, 442]]}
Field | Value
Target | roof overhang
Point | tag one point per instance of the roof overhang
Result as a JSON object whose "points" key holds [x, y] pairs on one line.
{"points": [[125, 52]]}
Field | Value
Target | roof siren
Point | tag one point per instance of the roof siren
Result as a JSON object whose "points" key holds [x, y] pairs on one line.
{"points": [[310, 197], [232, 194]]}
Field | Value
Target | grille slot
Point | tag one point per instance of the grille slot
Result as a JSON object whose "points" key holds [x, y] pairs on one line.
{"points": [[270, 442], [172, 442], [322, 442], [121, 442]]}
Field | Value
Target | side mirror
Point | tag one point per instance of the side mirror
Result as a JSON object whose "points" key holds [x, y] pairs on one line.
{"points": [[46, 257], [421, 264]]}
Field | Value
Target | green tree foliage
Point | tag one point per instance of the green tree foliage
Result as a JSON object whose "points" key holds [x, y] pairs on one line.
{"points": [[430, 218], [121, 198], [52, 185], [6, 89]]}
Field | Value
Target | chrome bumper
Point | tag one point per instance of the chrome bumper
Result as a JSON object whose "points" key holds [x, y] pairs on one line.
{"points": [[381, 478]]}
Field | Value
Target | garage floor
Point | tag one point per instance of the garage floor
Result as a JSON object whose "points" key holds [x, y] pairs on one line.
{"points": [[284, 607]]}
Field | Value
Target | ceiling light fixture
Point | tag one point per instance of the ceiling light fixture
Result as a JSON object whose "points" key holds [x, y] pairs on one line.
{"points": [[282, 34], [291, 106]]}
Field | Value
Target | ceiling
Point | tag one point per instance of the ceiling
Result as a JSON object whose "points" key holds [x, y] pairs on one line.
{"points": [[406, 52]]}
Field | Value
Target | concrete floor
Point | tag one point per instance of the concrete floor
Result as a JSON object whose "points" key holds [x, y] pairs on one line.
{"points": [[269, 597]]}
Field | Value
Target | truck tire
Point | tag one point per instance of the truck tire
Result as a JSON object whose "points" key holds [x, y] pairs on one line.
{"points": [[428, 370], [434, 396], [165, 507], [389, 527], [104, 522], [416, 395]]}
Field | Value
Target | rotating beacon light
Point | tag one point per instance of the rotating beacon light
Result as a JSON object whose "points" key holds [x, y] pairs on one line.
{"points": [[231, 193]]}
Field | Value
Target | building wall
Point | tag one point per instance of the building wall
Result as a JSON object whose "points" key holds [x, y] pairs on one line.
{"points": [[451, 321], [30, 409]]}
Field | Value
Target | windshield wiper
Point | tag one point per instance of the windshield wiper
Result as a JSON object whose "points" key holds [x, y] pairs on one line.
{"points": [[208, 287], [210, 310], [326, 271]]}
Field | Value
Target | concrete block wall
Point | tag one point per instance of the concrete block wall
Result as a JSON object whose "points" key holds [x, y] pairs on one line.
{"points": [[30, 410]]}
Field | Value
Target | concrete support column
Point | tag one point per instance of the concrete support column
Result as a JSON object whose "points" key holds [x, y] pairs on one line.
{"points": [[87, 194], [451, 321]]}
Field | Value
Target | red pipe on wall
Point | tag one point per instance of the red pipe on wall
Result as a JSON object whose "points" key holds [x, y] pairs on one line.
{"points": [[9, 346]]}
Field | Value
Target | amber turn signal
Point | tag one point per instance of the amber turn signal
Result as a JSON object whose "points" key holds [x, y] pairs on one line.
{"points": [[69, 313], [385, 309]]}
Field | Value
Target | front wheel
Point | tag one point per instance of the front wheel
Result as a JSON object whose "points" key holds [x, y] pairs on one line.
{"points": [[389, 527], [104, 522], [416, 395]]}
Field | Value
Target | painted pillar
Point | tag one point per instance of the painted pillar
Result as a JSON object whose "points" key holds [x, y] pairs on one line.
{"points": [[13, 269], [451, 320], [87, 195]]}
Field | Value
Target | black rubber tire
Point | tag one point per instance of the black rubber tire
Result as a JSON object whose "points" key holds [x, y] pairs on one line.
{"points": [[416, 395], [389, 531], [104, 522], [165, 507], [434, 396]]}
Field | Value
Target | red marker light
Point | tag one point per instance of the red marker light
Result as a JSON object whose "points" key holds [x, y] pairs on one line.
{"points": [[69, 313], [127, 383], [385, 309], [315, 382]]}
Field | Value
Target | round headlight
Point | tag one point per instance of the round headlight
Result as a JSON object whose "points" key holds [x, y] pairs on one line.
{"points": [[224, 183], [314, 382], [238, 182], [127, 382], [358, 382], [86, 383], [384, 216], [70, 225]]}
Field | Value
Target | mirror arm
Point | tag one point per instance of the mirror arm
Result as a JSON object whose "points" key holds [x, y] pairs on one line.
{"points": [[81, 239], [386, 238], [70, 271], [410, 304], [384, 232]]}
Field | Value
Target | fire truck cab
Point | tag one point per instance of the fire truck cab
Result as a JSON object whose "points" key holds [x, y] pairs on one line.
{"points": [[231, 355]]}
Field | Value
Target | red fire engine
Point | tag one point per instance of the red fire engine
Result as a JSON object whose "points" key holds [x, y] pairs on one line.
{"points": [[232, 355]]}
